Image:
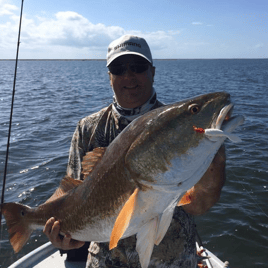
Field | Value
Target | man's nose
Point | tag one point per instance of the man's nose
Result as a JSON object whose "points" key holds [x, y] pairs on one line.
{"points": [[128, 72]]}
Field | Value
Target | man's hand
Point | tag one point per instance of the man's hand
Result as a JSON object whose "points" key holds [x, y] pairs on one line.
{"points": [[207, 191], [52, 231]]}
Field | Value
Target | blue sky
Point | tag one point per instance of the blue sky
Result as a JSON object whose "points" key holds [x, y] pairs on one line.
{"points": [[174, 29]]}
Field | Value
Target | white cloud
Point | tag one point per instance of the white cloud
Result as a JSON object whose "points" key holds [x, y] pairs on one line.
{"points": [[260, 45], [67, 35], [6, 8], [197, 23]]}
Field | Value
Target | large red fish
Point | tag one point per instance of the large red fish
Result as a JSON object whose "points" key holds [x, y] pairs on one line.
{"points": [[133, 186]]}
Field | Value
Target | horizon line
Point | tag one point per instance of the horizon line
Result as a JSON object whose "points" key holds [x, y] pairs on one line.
{"points": [[153, 59]]}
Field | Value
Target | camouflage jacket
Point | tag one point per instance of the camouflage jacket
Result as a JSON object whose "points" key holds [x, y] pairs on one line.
{"points": [[177, 249]]}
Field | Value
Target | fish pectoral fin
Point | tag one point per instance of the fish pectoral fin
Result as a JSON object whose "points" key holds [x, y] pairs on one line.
{"points": [[18, 228], [66, 185], [187, 198], [91, 159], [145, 241], [164, 224], [123, 219]]}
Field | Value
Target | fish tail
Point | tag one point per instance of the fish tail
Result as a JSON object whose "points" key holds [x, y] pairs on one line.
{"points": [[17, 223]]}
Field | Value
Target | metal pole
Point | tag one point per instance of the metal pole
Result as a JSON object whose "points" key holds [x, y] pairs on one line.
{"points": [[11, 113]]}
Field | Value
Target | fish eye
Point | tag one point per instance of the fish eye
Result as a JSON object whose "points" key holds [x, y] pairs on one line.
{"points": [[194, 108]]}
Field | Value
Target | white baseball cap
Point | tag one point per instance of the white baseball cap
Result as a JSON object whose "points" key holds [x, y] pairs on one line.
{"points": [[128, 44]]}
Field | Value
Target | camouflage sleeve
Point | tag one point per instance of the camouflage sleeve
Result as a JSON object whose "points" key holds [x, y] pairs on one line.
{"points": [[75, 154], [82, 143]]}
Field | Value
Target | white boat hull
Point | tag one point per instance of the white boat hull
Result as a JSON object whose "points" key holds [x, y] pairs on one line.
{"points": [[48, 256]]}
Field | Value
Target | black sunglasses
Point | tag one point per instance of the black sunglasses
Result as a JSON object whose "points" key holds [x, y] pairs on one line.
{"points": [[120, 69]]}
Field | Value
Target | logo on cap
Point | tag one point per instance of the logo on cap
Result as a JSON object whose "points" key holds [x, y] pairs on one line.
{"points": [[127, 44]]}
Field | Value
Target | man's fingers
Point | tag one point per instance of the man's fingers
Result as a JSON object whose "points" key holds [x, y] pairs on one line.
{"points": [[69, 243], [52, 231], [55, 230], [65, 244], [48, 226], [76, 244]]}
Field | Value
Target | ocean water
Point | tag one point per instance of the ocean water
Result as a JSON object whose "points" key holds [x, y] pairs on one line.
{"points": [[51, 96]]}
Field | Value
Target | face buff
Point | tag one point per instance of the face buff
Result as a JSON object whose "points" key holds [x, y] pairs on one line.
{"points": [[131, 114]]}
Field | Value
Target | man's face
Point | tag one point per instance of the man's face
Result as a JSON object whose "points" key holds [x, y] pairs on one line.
{"points": [[132, 89]]}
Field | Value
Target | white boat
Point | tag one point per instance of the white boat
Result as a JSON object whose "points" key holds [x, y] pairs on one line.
{"points": [[210, 260], [48, 256]]}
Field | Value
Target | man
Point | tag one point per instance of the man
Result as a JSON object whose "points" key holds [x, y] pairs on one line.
{"points": [[131, 74]]}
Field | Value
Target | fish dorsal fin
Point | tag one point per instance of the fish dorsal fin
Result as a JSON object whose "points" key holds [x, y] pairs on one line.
{"points": [[66, 185], [123, 219], [145, 241], [91, 159], [89, 162], [187, 198]]}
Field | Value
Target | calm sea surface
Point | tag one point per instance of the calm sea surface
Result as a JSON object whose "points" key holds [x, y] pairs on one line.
{"points": [[51, 96]]}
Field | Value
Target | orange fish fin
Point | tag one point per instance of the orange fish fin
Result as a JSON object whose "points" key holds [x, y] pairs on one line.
{"points": [[123, 219], [66, 185], [18, 228], [187, 198], [91, 159]]}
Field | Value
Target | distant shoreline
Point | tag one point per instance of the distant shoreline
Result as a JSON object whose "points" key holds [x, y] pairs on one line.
{"points": [[105, 59]]}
